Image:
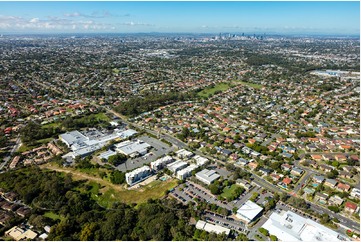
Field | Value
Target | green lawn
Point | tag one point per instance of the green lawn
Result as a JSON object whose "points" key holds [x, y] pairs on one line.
{"points": [[24, 147], [52, 215], [227, 192], [256, 86], [155, 190], [52, 125], [211, 90]]}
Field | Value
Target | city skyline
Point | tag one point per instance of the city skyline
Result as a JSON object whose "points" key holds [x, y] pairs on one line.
{"points": [[330, 18]]}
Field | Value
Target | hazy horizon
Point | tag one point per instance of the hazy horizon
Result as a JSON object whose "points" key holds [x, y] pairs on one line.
{"points": [[284, 18]]}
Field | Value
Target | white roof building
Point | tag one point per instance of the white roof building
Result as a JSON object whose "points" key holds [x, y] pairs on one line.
{"points": [[355, 192], [289, 226], [182, 153], [207, 176], [186, 172], [200, 160], [70, 138], [137, 175], [161, 162], [248, 211], [131, 148], [106, 154], [176, 166], [211, 228]]}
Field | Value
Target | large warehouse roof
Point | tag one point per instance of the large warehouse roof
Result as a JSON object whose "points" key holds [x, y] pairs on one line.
{"points": [[289, 226]]}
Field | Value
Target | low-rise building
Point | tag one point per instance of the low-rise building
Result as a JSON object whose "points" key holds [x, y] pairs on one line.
{"points": [[21, 234], [335, 201], [350, 207], [318, 179], [355, 193], [243, 183], [330, 183], [207, 176], [296, 171], [249, 211], [137, 175], [132, 148], [161, 163], [186, 172], [211, 228], [177, 166], [200, 160], [182, 154]]}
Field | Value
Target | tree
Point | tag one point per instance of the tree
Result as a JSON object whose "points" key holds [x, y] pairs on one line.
{"points": [[117, 159], [273, 237], [263, 231], [117, 177]]}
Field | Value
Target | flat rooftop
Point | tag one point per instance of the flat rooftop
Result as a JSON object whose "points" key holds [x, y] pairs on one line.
{"points": [[289, 226]]}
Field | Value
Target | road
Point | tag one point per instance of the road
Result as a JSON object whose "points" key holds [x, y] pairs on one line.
{"points": [[15, 148]]}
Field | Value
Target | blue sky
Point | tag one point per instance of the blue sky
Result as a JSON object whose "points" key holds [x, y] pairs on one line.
{"points": [[194, 17]]}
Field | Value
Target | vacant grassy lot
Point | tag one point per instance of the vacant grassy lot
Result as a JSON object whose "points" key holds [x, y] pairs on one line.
{"points": [[154, 190], [106, 193], [227, 192], [211, 90]]}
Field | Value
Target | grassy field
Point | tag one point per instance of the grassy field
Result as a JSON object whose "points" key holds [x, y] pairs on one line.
{"points": [[256, 86], [52, 125], [227, 192], [106, 193], [154, 190], [211, 90]]}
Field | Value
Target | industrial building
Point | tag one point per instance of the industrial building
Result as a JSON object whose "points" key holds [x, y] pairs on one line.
{"points": [[132, 148], [106, 154], [249, 211], [137, 175], [87, 142], [186, 172], [289, 226], [176, 166], [161, 163], [207, 176], [211, 228]]}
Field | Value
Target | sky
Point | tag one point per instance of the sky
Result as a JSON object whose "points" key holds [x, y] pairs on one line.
{"points": [[339, 18]]}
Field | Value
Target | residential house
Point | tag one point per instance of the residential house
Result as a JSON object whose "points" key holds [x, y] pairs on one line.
{"points": [[296, 171], [355, 193], [335, 201], [321, 197], [318, 179], [316, 157], [287, 181], [330, 183], [264, 171], [326, 168], [350, 207], [275, 177], [253, 165], [343, 187], [286, 167], [345, 174], [243, 183]]}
